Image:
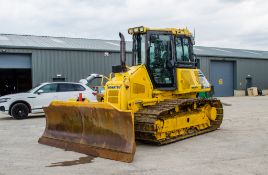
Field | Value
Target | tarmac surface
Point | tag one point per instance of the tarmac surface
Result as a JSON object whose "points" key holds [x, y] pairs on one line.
{"points": [[240, 146]]}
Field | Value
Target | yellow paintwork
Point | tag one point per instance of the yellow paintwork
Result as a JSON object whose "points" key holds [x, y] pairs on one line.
{"points": [[133, 89], [188, 81]]}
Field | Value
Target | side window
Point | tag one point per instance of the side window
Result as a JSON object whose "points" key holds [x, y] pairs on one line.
{"points": [[179, 50], [182, 49], [140, 44], [186, 49], [49, 88], [65, 87], [78, 87]]}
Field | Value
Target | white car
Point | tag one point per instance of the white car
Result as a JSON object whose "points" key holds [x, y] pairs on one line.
{"points": [[21, 104]]}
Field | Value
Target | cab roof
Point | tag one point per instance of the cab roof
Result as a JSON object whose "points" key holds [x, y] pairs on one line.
{"points": [[174, 31]]}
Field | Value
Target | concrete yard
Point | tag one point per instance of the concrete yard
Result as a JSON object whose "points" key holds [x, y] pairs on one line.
{"points": [[240, 146]]}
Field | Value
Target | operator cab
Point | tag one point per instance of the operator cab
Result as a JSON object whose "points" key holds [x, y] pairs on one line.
{"points": [[162, 51]]}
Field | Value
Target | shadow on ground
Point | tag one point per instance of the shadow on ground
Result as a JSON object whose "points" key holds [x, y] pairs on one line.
{"points": [[81, 160]]}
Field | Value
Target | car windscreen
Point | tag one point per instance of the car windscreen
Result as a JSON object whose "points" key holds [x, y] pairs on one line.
{"points": [[34, 88]]}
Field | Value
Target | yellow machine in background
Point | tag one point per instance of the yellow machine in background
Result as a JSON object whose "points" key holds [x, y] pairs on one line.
{"points": [[154, 100]]}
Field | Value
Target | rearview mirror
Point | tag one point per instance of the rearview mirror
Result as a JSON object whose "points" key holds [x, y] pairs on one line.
{"points": [[40, 91]]}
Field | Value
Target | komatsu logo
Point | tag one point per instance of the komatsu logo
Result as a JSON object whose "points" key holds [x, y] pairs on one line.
{"points": [[114, 87]]}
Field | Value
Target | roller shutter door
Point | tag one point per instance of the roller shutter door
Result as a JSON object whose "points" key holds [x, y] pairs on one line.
{"points": [[15, 61]]}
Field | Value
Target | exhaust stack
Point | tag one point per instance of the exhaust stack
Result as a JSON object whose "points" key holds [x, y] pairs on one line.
{"points": [[122, 52]]}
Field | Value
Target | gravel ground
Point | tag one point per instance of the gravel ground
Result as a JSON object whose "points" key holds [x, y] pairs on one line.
{"points": [[240, 146]]}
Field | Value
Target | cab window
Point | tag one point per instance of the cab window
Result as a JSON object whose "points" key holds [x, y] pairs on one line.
{"points": [[182, 49], [140, 49]]}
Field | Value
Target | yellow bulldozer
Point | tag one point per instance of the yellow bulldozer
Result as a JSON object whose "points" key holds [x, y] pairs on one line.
{"points": [[154, 100]]}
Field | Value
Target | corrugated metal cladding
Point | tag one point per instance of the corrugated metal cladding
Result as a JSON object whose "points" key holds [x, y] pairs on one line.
{"points": [[72, 65], [256, 68]]}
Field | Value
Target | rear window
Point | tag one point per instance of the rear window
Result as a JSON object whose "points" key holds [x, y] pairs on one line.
{"points": [[78, 87], [65, 87]]}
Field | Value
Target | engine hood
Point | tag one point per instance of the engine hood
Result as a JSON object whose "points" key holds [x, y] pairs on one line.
{"points": [[15, 95]]}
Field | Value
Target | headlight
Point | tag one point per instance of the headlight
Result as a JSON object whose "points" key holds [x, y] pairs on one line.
{"points": [[3, 100], [130, 31]]}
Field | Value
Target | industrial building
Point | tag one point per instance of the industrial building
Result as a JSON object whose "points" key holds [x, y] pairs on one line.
{"points": [[26, 61]]}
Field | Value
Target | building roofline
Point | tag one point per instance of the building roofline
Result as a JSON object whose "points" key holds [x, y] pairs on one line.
{"points": [[230, 57], [49, 36], [58, 48], [35, 42]]}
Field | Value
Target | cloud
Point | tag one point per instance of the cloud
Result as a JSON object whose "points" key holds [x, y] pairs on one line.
{"points": [[218, 23]]}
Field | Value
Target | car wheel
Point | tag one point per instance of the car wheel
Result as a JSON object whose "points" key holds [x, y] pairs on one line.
{"points": [[19, 111]]}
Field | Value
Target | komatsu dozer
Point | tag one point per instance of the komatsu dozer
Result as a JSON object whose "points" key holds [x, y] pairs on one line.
{"points": [[154, 100]]}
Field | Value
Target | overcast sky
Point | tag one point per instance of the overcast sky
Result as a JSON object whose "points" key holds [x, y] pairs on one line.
{"points": [[219, 23]]}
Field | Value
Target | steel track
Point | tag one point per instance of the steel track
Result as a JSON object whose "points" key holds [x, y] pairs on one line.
{"points": [[145, 118]]}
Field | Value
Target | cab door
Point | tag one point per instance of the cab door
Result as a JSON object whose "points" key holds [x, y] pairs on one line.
{"points": [[160, 60]]}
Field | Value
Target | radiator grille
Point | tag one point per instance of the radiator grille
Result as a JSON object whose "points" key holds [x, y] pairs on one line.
{"points": [[113, 96], [113, 92]]}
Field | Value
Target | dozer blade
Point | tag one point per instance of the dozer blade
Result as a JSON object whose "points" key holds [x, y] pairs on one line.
{"points": [[96, 129]]}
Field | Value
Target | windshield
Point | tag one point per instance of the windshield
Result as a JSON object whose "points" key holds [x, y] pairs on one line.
{"points": [[34, 88]]}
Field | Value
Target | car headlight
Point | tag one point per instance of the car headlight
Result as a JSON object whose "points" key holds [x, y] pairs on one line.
{"points": [[3, 100]]}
